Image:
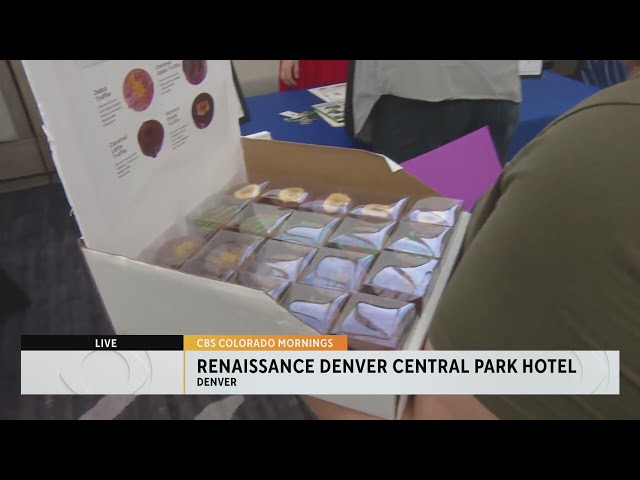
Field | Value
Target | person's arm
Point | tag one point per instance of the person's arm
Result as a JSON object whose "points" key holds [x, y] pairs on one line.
{"points": [[554, 264], [424, 407], [633, 69], [290, 72], [634, 73]]}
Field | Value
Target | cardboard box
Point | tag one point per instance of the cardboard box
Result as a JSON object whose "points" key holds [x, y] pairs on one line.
{"points": [[145, 299]]}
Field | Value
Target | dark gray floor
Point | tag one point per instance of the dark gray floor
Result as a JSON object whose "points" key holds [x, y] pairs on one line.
{"points": [[38, 251]]}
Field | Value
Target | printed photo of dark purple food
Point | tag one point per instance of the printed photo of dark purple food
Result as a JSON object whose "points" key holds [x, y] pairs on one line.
{"points": [[195, 71], [202, 110], [150, 138]]}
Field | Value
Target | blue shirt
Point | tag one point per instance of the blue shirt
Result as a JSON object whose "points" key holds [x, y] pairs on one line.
{"points": [[603, 73]]}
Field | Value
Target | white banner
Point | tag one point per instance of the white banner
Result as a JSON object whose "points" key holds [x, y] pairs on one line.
{"points": [[321, 372], [102, 372]]}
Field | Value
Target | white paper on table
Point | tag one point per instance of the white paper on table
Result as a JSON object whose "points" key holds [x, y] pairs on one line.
{"points": [[331, 93], [530, 67], [123, 199], [241, 112], [330, 121], [331, 112], [264, 135]]}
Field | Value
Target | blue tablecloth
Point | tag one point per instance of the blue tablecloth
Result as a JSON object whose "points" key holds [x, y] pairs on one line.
{"points": [[544, 99]]}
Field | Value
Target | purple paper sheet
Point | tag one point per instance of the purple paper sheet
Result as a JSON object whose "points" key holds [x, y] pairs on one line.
{"points": [[463, 169]]}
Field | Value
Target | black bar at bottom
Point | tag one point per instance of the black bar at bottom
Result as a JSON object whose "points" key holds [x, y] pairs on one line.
{"points": [[102, 342]]}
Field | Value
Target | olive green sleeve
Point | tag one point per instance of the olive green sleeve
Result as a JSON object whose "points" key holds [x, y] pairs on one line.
{"points": [[553, 260]]}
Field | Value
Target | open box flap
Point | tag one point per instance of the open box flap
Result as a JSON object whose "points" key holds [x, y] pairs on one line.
{"points": [[127, 183], [319, 165]]}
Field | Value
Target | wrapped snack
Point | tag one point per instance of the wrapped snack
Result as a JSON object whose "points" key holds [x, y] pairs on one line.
{"points": [[317, 307], [386, 212], [174, 252], [419, 238], [338, 269], [274, 287], [217, 217], [307, 228], [289, 197], [435, 210], [280, 260], [221, 209], [361, 235], [335, 203], [374, 323], [400, 276], [247, 193], [223, 255], [259, 219]]}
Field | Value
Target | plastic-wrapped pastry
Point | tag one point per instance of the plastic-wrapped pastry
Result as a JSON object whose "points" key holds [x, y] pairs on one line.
{"points": [[317, 307], [435, 210], [222, 260], [387, 212], [338, 269], [307, 228], [247, 192], [178, 250], [401, 276], [223, 256], [419, 238], [259, 219], [274, 287], [290, 197], [332, 204], [374, 323], [217, 217], [281, 260], [361, 235]]}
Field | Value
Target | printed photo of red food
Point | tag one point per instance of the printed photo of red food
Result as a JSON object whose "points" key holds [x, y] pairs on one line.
{"points": [[150, 138], [138, 90], [202, 110], [194, 70]]}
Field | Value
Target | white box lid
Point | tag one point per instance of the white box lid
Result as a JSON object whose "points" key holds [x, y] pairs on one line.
{"points": [[124, 196]]}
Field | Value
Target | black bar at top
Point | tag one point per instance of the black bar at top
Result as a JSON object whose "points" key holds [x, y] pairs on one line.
{"points": [[102, 342]]}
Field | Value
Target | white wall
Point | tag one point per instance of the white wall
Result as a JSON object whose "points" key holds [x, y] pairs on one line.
{"points": [[257, 77]]}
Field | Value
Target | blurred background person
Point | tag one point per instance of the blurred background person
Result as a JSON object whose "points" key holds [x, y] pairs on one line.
{"points": [[551, 261], [404, 108], [295, 74], [605, 73]]}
